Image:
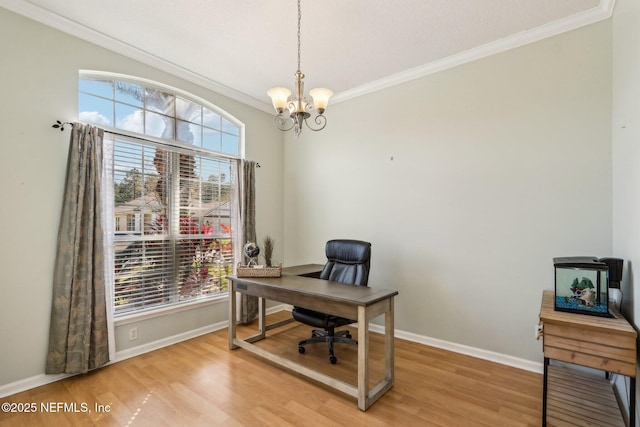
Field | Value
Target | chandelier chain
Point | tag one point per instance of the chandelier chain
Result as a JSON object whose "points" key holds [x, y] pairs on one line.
{"points": [[299, 19]]}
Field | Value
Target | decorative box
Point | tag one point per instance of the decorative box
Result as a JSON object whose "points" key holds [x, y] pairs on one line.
{"points": [[581, 285], [258, 271]]}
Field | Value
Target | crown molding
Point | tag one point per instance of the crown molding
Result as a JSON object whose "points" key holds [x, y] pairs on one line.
{"points": [[591, 16], [51, 19]]}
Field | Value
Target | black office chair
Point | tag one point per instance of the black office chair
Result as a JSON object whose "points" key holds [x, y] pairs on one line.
{"points": [[347, 262]]}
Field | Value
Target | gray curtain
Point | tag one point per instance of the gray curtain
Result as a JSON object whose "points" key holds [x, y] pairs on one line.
{"points": [[78, 338], [248, 309]]}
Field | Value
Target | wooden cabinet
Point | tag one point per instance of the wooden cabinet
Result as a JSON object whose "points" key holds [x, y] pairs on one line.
{"points": [[606, 344]]}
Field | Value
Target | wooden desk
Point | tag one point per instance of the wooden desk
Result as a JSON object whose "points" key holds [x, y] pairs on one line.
{"points": [[353, 302], [607, 344]]}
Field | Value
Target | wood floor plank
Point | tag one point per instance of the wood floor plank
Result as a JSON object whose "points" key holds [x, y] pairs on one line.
{"points": [[201, 382]]}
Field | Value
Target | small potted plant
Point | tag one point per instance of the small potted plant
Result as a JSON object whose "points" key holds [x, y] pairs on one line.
{"points": [[268, 243]]}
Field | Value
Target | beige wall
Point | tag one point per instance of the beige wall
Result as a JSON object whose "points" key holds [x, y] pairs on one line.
{"points": [[467, 182], [626, 147], [39, 79], [626, 151]]}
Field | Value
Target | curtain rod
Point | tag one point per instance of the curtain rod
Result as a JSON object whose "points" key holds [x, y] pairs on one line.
{"points": [[60, 125]]}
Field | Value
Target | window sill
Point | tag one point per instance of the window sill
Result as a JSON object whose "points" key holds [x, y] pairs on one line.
{"points": [[164, 311]]}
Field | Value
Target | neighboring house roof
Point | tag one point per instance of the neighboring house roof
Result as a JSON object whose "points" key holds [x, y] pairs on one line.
{"points": [[151, 204]]}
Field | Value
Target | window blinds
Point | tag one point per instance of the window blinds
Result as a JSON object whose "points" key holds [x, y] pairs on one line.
{"points": [[172, 220]]}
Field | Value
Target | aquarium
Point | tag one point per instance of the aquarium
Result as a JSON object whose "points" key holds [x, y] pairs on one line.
{"points": [[581, 285]]}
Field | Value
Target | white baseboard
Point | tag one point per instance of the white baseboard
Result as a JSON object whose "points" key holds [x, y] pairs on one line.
{"points": [[503, 359], [42, 379], [165, 342], [29, 383], [479, 353]]}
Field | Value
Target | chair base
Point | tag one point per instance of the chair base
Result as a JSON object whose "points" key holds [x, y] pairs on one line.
{"points": [[329, 337]]}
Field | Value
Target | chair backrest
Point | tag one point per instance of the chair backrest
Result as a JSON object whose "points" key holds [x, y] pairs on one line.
{"points": [[347, 262]]}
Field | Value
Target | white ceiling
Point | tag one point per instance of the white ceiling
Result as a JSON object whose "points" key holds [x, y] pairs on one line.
{"points": [[243, 47]]}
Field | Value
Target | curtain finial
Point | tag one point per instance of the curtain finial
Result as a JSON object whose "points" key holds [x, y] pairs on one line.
{"points": [[61, 125]]}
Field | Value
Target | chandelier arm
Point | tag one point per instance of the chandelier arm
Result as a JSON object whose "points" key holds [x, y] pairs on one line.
{"points": [[308, 106], [321, 121], [281, 123]]}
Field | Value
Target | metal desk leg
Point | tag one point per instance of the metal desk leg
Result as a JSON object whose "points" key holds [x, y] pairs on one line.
{"points": [[632, 402], [544, 391]]}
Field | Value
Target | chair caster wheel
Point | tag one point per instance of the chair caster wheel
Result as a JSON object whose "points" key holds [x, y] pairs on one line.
{"points": [[300, 349], [333, 360]]}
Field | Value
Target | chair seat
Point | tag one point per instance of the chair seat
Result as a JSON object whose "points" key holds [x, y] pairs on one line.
{"points": [[319, 320]]}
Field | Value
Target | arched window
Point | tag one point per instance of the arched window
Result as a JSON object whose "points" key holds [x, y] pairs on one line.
{"points": [[147, 108], [170, 159]]}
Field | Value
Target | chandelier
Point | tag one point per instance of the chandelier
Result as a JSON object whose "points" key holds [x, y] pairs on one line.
{"points": [[298, 107]]}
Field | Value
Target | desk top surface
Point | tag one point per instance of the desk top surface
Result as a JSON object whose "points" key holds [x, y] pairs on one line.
{"points": [[302, 270], [617, 323], [356, 295]]}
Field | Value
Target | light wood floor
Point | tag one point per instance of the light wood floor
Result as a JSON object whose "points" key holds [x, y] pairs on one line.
{"points": [[201, 382]]}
